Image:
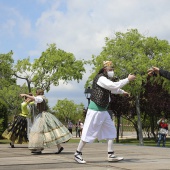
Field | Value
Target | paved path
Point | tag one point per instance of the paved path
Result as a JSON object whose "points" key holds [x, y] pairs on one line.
{"points": [[135, 158]]}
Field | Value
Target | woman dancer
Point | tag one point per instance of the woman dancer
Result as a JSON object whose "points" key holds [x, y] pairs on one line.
{"points": [[47, 130], [17, 132]]}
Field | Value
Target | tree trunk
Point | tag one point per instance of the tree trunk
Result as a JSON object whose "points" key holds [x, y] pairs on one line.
{"points": [[139, 121], [153, 126], [118, 128], [29, 85], [137, 132], [121, 127]]}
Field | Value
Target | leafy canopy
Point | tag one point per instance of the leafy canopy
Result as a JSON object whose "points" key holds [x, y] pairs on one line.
{"points": [[52, 66]]}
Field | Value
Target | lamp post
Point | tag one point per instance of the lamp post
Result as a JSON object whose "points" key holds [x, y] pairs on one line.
{"points": [[87, 93]]}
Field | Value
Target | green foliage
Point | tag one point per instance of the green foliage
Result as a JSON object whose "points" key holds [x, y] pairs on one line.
{"points": [[8, 90], [56, 64], [52, 66], [10, 97], [6, 62], [67, 110], [133, 53], [3, 118], [1, 126]]}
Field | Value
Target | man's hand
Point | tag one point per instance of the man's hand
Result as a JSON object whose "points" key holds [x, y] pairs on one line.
{"points": [[126, 94], [131, 77]]}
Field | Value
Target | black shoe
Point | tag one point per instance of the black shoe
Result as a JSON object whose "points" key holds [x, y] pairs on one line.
{"points": [[12, 146], [60, 150], [36, 152]]}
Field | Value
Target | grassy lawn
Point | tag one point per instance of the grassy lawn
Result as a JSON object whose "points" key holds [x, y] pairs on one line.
{"points": [[147, 142], [4, 141]]}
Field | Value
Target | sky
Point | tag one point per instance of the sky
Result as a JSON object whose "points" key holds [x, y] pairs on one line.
{"points": [[76, 26]]}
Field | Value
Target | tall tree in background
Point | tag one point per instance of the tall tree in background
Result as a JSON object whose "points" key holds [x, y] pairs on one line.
{"points": [[67, 110], [6, 81], [132, 52], [9, 91], [54, 65], [6, 63]]}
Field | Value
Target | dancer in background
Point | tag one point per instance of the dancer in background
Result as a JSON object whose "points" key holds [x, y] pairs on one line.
{"points": [[17, 132], [47, 130]]}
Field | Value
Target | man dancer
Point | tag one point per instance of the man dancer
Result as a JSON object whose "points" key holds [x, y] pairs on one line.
{"points": [[98, 123]]}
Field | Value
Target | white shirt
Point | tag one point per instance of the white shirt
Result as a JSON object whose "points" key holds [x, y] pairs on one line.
{"points": [[114, 87], [81, 125], [38, 99]]}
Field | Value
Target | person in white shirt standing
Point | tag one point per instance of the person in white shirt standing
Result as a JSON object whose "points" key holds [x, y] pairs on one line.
{"points": [[98, 123]]}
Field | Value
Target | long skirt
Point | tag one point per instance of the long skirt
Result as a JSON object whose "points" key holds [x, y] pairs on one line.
{"points": [[17, 131], [47, 131]]}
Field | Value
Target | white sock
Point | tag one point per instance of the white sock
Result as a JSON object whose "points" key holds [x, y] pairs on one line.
{"points": [[110, 147], [81, 146]]}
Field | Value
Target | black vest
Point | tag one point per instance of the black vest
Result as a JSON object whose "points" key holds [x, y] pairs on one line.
{"points": [[99, 95], [42, 106]]}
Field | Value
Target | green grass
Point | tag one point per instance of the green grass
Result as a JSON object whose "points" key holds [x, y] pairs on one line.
{"points": [[4, 141], [147, 142]]}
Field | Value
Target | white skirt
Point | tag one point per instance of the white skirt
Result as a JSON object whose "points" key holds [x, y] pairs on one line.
{"points": [[98, 124]]}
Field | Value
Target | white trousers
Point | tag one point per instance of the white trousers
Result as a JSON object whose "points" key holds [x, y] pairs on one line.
{"points": [[98, 124]]}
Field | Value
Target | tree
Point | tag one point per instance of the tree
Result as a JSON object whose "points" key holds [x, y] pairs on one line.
{"points": [[6, 63], [9, 91], [7, 83], [119, 105], [52, 66], [10, 97], [3, 118], [155, 104], [131, 52], [67, 110]]}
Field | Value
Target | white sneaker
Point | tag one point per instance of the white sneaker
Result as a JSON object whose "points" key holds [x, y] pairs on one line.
{"points": [[114, 158], [78, 158]]}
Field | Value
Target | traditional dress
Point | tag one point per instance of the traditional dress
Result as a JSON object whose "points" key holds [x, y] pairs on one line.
{"points": [[17, 131], [47, 130], [98, 123], [31, 116]]}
